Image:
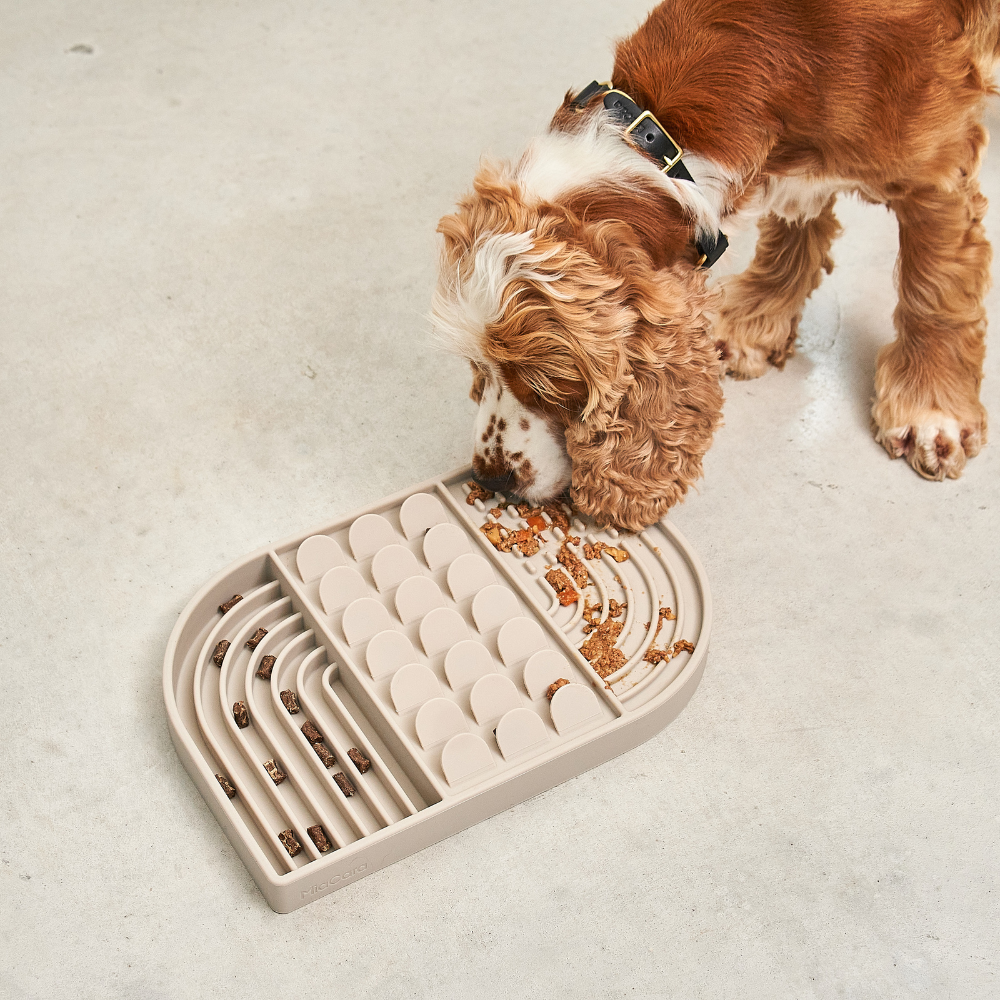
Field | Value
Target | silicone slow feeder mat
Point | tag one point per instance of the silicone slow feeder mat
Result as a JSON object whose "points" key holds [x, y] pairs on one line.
{"points": [[427, 662]]}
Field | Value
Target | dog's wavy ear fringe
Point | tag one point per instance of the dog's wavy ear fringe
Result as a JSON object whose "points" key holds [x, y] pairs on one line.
{"points": [[635, 455]]}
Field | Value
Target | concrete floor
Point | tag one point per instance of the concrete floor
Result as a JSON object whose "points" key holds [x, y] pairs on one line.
{"points": [[217, 247]]}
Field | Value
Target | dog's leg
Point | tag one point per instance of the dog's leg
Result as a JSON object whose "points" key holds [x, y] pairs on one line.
{"points": [[758, 319], [927, 381]]}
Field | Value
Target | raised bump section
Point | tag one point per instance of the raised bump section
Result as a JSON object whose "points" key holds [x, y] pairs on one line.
{"points": [[368, 534], [419, 512], [316, 555], [443, 544], [464, 757]]}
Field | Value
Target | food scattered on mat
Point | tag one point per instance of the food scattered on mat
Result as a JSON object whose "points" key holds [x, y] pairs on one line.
{"points": [[600, 648], [572, 562], [287, 837], [503, 539], [290, 702], [598, 548], [361, 762], [344, 783], [277, 775], [265, 667], [324, 755], [240, 714], [231, 603], [554, 686], [318, 837], [226, 785], [559, 582], [311, 733], [476, 492], [220, 652], [654, 655], [497, 512], [616, 609], [254, 641]]}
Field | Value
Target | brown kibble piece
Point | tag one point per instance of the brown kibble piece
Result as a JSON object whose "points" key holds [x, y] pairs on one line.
{"points": [[344, 783], [559, 582], [494, 532], [554, 686], [311, 733], [231, 603], [254, 641], [592, 613], [318, 837], [361, 762], [287, 838], [324, 754], [226, 785], [600, 648], [290, 702], [497, 512], [612, 660], [265, 667], [557, 515], [220, 652], [682, 646], [277, 775], [615, 609], [240, 714], [572, 563], [476, 492], [527, 546]]}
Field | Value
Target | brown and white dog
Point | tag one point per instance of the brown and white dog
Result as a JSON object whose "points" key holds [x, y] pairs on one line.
{"points": [[571, 279]]}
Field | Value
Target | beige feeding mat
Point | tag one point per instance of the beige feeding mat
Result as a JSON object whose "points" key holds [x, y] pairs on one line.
{"points": [[410, 670]]}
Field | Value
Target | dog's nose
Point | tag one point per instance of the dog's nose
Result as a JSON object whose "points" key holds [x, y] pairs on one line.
{"points": [[501, 484]]}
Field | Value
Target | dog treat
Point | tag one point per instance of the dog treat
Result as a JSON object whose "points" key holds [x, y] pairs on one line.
{"points": [[559, 582], [682, 646], [497, 512], [220, 652], [557, 515], [277, 775], [600, 648], [476, 492], [290, 702], [265, 667], [311, 733], [254, 641], [344, 783], [527, 543], [554, 686], [592, 614], [318, 837], [503, 539], [287, 837], [615, 609], [240, 714], [596, 550], [324, 755], [572, 563], [361, 762], [231, 603], [226, 785]]}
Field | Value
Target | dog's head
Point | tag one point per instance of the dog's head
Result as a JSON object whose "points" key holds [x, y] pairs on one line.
{"points": [[577, 300]]}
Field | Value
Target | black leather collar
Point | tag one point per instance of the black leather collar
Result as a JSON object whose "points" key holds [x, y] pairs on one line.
{"points": [[648, 135]]}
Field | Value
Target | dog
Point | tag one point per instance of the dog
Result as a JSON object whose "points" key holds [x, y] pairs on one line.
{"points": [[575, 280]]}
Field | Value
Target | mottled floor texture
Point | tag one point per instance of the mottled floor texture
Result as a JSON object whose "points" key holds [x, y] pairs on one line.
{"points": [[217, 247]]}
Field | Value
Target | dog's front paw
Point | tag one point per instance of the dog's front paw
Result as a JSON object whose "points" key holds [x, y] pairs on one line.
{"points": [[750, 344], [935, 443]]}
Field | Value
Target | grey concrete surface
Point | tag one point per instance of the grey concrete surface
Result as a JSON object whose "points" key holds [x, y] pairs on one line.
{"points": [[217, 251]]}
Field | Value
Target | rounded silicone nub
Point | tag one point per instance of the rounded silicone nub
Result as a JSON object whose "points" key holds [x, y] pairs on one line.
{"points": [[420, 512], [520, 731], [316, 555], [415, 597], [363, 618], [518, 639], [469, 574], [387, 652], [443, 544], [441, 628], [411, 686], [368, 534], [492, 606], [466, 662], [439, 720], [339, 587], [574, 706], [466, 756], [542, 668], [493, 696], [392, 565]]}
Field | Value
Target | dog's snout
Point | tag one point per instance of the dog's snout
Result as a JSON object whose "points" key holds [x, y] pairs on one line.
{"points": [[499, 484]]}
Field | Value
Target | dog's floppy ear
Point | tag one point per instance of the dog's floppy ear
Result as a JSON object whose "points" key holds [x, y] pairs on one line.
{"points": [[636, 453]]}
